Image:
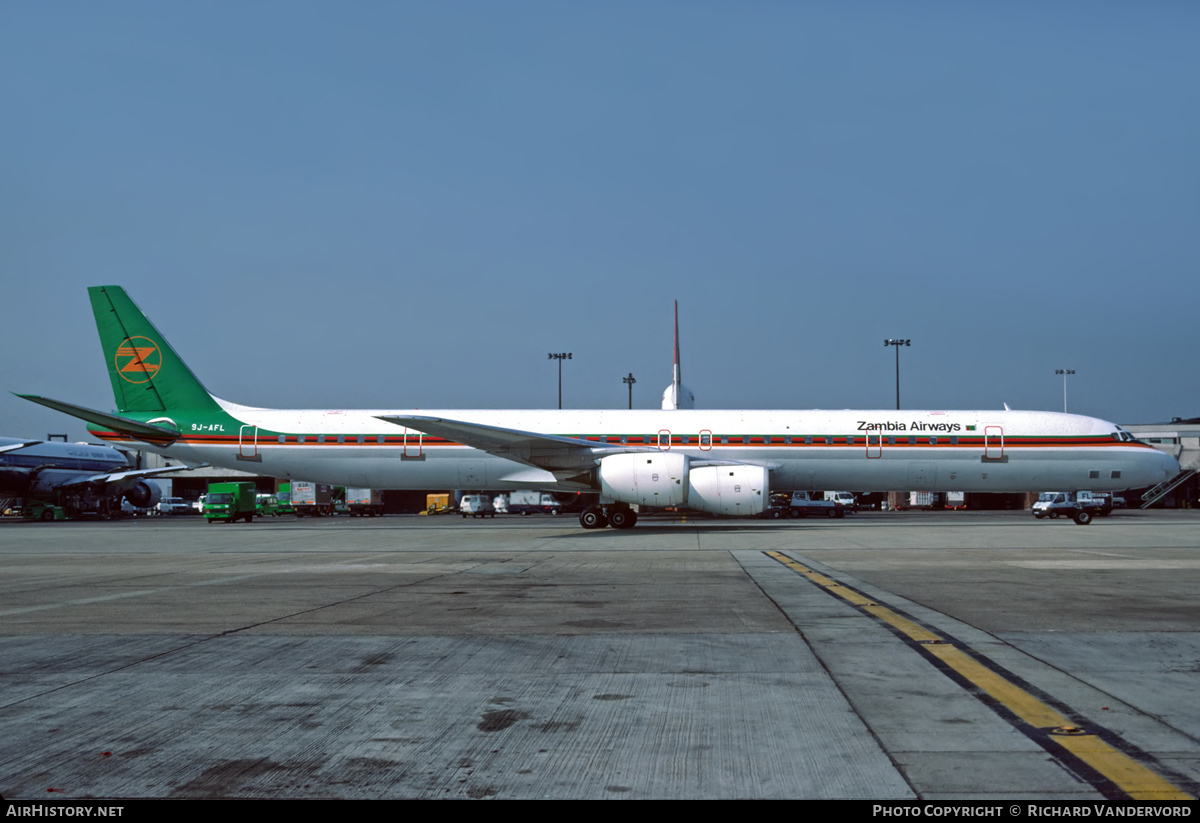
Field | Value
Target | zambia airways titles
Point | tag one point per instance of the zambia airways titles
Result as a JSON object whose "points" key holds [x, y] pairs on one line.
{"points": [[916, 426]]}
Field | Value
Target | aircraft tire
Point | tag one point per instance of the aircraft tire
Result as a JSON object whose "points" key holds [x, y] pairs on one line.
{"points": [[593, 518], [1082, 518], [622, 519]]}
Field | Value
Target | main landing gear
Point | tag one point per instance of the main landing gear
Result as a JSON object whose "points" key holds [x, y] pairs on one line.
{"points": [[619, 516]]}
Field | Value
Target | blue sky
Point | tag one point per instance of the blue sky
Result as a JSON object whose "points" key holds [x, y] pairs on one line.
{"points": [[408, 205]]}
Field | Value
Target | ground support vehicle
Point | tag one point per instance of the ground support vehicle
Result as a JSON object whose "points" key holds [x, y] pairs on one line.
{"points": [[803, 504], [311, 499], [848, 501], [229, 502], [266, 505], [437, 504], [338, 503], [283, 499], [175, 505], [365, 502], [528, 502], [43, 511], [476, 505], [1081, 506], [924, 500]]}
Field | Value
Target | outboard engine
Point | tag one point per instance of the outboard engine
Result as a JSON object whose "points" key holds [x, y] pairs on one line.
{"points": [[734, 491]]}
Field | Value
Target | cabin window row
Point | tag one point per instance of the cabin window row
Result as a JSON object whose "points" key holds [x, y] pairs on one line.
{"points": [[341, 438], [705, 440]]}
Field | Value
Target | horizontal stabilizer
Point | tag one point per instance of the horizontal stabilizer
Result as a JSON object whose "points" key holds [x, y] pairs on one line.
{"points": [[18, 446], [121, 425]]}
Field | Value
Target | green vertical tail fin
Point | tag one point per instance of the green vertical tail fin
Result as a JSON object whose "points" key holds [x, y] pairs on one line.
{"points": [[146, 373]]}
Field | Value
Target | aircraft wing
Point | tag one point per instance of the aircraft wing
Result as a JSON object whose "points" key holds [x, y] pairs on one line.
{"points": [[122, 425], [18, 446], [132, 474], [563, 456]]}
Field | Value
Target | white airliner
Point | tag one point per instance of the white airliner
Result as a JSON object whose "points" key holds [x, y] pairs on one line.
{"points": [[725, 462]]}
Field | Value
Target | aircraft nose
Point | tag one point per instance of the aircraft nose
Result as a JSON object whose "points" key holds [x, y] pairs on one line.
{"points": [[1169, 465]]}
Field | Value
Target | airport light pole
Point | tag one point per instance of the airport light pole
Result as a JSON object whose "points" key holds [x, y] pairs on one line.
{"points": [[560, 356], [897, 344], [1064, 373], [629, 381]]}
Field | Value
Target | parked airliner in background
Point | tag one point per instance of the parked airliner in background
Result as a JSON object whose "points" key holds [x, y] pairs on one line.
{"points": [[725, 462], [88, 478]]}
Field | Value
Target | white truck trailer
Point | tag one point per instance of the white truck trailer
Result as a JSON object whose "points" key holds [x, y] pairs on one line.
{"points": [[311, 499], [528, 502], [365, 502]]}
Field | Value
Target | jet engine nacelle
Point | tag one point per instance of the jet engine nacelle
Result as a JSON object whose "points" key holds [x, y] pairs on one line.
{"points": [[730, 490], [144, 495], [645, 478]]}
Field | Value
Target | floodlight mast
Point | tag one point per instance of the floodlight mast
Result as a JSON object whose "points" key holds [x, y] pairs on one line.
{"points": [[559, 356], [1064, 373], [897, 343]]}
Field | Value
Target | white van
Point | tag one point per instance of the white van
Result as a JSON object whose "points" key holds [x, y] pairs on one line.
{"points": [[476, 505], [845, 499]]}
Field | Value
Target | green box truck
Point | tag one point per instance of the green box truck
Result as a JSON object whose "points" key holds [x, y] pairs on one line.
{"points": [[284, 498], [229, 502]]}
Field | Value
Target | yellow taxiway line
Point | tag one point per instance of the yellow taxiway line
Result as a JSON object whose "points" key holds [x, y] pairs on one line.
{"points": [[1131, 777]]}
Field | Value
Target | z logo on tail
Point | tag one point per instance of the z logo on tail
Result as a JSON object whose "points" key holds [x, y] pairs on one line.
{"points": [[138, 359]]}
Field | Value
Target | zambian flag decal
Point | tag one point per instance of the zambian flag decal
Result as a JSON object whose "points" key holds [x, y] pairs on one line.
{"points": [[970, 428]]}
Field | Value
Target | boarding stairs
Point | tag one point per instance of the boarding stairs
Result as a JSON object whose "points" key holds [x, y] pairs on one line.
{"points": [[1164, 488]]}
